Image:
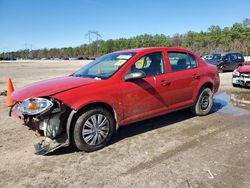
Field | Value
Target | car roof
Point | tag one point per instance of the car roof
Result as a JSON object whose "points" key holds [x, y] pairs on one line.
{"points": [[136, 50], [225, 53]]}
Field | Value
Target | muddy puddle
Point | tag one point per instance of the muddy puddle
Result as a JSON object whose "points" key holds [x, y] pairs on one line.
{"points": [[232, 103]]}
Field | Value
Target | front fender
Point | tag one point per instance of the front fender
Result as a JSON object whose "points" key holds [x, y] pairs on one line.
{"points": [[80, 97]]}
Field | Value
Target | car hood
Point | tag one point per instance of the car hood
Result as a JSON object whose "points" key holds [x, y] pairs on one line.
{"points": [[50, 87], [245, 68]]}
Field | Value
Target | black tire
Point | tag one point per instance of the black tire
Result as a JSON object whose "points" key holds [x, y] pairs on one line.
{"points": [[220, 69], [235, 85], [90, 139], [203, 103]]}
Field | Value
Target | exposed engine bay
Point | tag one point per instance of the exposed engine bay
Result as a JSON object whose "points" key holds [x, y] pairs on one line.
{"points": [[48, 118]]}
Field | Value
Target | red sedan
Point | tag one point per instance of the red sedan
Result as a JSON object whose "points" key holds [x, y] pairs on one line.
{"points": [[87, 107], [241, 76]]}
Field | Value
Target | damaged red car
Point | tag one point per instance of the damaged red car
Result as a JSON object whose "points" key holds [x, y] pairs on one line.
{"points": [[86, 108], [241, 76]]}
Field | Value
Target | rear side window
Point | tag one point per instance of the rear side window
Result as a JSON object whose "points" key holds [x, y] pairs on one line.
{"points": [[181, 61]]}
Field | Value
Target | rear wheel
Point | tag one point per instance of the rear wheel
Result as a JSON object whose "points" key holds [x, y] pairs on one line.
{"points": [[203, 103], [93, 129]]}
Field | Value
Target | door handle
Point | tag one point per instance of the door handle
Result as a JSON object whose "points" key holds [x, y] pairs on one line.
{"points": [[196, 76], [165, 83]]}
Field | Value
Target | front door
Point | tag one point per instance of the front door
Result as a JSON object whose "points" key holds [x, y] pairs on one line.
{"points": [[141, 97], [233, 62]]}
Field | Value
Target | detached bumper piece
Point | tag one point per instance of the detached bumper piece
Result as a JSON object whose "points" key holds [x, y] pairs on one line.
{"points": [[48, 145]]}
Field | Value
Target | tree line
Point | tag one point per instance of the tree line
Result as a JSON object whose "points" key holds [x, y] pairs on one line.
{"points": [[234, 38]]}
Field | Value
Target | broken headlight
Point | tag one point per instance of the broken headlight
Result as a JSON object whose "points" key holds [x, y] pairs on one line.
{"points": [[236, 73], [35, 106]]}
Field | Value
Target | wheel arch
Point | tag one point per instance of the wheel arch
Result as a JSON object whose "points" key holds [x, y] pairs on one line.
{"points": [[99, 104], [209, 84], [74, 113]]}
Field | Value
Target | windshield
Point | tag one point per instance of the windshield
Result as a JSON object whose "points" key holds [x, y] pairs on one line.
{"points": [[105, 66], [216, 57], [208, 57]]}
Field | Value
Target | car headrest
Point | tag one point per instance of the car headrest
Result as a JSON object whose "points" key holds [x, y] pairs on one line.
{"points": [[182, 62]]}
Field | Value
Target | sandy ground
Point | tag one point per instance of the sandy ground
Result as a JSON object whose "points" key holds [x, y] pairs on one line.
{"points": [[175, 150]]}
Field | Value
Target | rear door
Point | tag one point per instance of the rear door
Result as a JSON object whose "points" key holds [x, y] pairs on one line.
{"points": [[181, 80], [240, 59]]}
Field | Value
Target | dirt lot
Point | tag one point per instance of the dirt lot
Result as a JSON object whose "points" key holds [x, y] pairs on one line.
{"points": [[175, 150]]}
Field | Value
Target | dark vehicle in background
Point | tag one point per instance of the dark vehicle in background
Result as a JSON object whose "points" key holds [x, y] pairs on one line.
{"points": [[11, 58], [241, 76], [226, 61], [8, 58], [82, 58], [207, 57]]}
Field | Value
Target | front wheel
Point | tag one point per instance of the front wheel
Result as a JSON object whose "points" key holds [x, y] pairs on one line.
{"points": [[235, 85], [220, 69], [203, 103], [93, 129]]}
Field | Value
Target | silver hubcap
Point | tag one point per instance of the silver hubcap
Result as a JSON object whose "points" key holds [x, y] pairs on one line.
{"points": [[95, 129], [204, 102]]}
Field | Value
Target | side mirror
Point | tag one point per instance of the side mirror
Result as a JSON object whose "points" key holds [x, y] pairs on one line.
{"points": [[134, 75]]}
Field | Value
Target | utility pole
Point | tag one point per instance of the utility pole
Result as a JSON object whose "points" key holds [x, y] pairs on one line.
{"points": [[28, 49], [31, 51], [97, 39], [4, 52], [89, 38], [97, 36]]}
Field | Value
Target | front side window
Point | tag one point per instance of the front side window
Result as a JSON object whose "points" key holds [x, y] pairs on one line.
{"points": [[233, 57], [225, 58], [181, 61], [216, 57], [104, 67], [152, 64]]}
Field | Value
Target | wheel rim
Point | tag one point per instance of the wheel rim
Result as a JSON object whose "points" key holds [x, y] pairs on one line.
{"points": [[204, 102], [95, 129]]}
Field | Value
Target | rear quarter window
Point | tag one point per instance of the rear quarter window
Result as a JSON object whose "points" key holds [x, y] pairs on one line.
{"points": [[240, 57]]}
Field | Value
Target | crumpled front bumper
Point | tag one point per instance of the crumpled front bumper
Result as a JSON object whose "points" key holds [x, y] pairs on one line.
{"points": [[242, 80], [48, 145], [58, 122]]}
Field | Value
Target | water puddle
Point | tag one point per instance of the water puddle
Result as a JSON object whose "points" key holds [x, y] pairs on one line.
{"points": [[232, 103]]}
